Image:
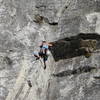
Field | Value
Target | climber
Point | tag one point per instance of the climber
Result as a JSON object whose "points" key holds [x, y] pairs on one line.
{"points": [[44, 52], [44, 47]]}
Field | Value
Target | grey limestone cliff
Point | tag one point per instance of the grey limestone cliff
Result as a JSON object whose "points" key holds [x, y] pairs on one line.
{"points": [[69, 75]]}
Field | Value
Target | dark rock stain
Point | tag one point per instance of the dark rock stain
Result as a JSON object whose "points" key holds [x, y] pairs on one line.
{"points": [[79, 70], [82, 44]]}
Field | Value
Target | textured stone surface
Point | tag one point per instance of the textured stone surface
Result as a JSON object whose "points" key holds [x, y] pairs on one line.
{"points": [[23, 25]]}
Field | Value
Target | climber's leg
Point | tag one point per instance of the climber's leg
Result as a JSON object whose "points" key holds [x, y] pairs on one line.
{"points": [[44, 60], [36, 55]]}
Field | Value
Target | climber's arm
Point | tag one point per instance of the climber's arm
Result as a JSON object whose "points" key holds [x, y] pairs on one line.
{"points": [[49, 44]]}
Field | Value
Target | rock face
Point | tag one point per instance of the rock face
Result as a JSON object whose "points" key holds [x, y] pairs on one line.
{"points": [[69, 75]]}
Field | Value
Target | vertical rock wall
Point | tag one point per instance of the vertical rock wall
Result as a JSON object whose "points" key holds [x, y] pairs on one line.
{"points": [[23, 25]]}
